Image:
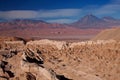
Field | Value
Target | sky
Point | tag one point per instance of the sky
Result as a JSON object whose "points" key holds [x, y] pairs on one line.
{"points": [[58, 11]]}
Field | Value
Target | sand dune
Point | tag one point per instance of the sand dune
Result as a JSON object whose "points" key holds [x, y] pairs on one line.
{"points": [[109, 34]]}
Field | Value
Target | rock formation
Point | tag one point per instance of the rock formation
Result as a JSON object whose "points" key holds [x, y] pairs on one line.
{"points": [[57, 60]]}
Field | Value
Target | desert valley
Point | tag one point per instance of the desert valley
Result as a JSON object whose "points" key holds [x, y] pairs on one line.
{"points": [[88, 49], [84, 29]]}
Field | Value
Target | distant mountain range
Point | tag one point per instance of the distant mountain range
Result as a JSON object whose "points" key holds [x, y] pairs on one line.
{"points": [[87, 25], [86, 22], [91, 21]]}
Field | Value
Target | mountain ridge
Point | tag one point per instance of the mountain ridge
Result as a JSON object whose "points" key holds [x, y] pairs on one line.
{"points": [[88, 25], [91, 21], [87, 21]]}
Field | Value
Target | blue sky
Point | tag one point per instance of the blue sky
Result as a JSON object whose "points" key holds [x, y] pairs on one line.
{"points": [[59, 11]]}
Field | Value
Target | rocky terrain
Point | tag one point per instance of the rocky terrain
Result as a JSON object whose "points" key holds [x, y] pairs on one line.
{"points": [[60, 60]]}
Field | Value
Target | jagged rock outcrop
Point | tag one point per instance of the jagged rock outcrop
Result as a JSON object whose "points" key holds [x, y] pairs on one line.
{"points": [[30, 76], [32, 57], [55, 44], [5, 66], [46, 60], [29, 63], [7, 45], [97, 42], [32, 62]]}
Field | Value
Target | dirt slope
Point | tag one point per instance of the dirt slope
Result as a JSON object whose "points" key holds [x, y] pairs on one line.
{"points": [[108, 34]]}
